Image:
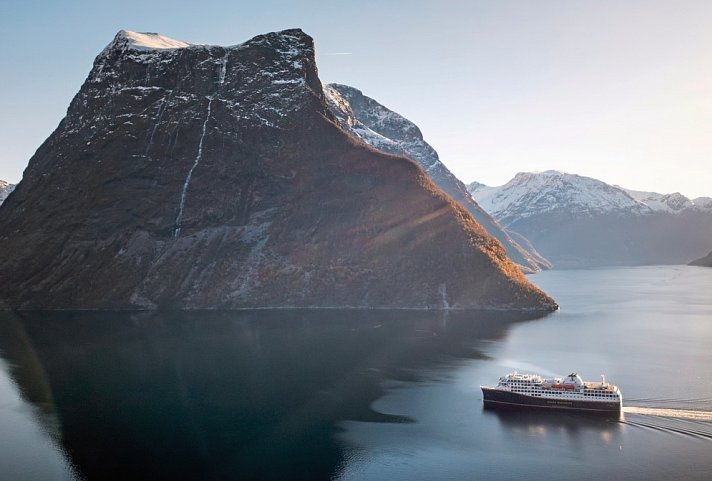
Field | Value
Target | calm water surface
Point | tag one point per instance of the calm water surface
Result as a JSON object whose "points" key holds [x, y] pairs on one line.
{"points": [[357, 395]]}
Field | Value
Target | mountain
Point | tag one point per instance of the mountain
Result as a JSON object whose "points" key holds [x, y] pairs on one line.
{"points": [[578, 221], [191, 176], [531, 194], [705, 261], [5, 190], [392, 133], [671, 202]]}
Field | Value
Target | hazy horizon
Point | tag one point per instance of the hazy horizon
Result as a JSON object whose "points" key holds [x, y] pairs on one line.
{"points": [[616, 91]]}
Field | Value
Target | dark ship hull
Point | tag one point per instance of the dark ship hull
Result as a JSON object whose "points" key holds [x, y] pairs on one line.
{"points": [[499, 398]]}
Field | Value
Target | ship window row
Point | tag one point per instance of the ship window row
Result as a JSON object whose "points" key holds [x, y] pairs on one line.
{"points": [[563, 393]]}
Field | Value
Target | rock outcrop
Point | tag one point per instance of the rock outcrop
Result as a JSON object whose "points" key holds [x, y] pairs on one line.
{"points": [[190, 176]]}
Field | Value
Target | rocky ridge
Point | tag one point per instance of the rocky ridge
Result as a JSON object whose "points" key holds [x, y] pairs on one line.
{"points": [[392, 133], [673, 203]]}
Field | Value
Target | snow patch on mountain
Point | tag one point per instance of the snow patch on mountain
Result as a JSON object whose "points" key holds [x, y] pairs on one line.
{"points": [[390, 132], [147, 41], [578, 221], [674, 202], [703, 203], [379, 126], [5, 190], [534, 193]]}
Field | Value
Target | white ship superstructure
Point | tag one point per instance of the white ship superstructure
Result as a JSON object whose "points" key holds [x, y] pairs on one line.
{"points": [[570, 392]]}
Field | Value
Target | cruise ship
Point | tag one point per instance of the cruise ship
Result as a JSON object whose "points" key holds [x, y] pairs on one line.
{"points": [[571, 393]]}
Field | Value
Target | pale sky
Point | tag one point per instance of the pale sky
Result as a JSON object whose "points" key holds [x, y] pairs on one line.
{"points": [[618, 90]]}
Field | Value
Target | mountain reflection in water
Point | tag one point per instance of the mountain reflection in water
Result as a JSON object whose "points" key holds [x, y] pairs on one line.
{"points": [[219, 395]]}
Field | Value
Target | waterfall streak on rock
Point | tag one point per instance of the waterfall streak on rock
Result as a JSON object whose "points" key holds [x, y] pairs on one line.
{"points": [[199, 155], [223, 67], [161, 109], [176, 231]]}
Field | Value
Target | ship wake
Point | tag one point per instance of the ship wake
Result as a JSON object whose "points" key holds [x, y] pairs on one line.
{"points": [[690, 414], [684, 422]]}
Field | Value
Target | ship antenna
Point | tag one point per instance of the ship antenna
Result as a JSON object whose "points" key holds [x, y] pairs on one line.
{"points": [[603, 380]]}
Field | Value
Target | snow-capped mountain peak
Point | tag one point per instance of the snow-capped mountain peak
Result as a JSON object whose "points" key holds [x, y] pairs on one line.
{"points": [[552, 191], [532, 193], [578, 221], [703, 203], [675, 202], [147, 41], [5, 190]]}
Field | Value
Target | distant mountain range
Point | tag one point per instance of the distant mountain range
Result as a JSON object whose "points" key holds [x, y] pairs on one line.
{"points": [[673, 203], [390, 132], [5, 190], [578, 221]]}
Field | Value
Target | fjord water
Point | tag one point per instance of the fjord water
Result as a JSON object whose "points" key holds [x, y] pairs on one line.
{"points": [[355, 395]]}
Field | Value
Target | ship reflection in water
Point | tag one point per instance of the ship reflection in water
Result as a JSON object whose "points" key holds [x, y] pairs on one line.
{"points": [[553, 426]]}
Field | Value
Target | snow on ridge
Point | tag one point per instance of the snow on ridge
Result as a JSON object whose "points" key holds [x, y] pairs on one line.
{"points": [[147, 42], [342, 109], [379, 126], [5, 190], [151, 41], [704, 203], [533, 193], [483, 193], [675, 202]]}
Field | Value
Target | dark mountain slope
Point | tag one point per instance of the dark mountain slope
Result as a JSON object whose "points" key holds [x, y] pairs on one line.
{"points": [[215, 177], [392, 133]]}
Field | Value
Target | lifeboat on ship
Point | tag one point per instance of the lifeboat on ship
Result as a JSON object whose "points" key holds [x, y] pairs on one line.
{"points": [[512, 392]]}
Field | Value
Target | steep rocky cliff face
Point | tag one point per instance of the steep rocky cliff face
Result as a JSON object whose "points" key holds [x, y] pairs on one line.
{"points": [[578, 221], [189, 176], [390, 132]]}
